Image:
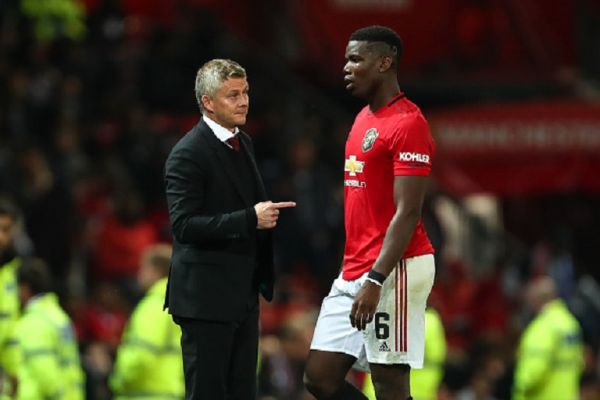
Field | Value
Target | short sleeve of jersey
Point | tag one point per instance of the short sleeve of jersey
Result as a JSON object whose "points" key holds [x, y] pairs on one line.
{"points": [[412, 147]]}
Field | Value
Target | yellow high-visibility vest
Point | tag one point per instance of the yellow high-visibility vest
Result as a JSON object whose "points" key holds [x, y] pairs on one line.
{"points": [[149, 362], [9, 314], [49, 366], [54, 18], [550, 356]]}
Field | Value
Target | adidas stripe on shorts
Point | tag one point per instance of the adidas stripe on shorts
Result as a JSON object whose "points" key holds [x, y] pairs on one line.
{"points": [[397, 333]]}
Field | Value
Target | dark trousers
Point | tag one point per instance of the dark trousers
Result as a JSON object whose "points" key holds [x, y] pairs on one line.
{"points": [[220, 358]]}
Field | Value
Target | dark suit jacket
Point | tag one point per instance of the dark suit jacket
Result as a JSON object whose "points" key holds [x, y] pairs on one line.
{"points": [[212, 274]]}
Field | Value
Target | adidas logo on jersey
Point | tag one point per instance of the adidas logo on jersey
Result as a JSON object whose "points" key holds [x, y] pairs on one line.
{"points": [[384, 347]]}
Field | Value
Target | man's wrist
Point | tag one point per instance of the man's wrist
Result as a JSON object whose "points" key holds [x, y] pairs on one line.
{"points": [[374, 282], [376, 277]]}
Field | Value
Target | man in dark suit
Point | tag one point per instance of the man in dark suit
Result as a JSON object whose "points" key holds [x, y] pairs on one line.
{"points": [[222, 250]]}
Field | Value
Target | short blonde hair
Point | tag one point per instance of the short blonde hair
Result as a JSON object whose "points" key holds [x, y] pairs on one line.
{"points": [[212, 74]]}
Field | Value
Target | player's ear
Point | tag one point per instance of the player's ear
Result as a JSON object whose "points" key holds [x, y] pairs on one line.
{"points": [[385, 63]]}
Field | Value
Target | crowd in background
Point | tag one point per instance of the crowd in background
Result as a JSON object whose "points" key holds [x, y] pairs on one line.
{"points": [[90, 105]]}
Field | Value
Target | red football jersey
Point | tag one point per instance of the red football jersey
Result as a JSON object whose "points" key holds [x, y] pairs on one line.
{"points": [[395, 140]]}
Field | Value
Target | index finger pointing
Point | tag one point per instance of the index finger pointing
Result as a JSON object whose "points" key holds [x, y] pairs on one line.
{"points": [[284, 204]]}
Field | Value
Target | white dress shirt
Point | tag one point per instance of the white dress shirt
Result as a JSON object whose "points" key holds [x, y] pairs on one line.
{"points": [[222, 133]]}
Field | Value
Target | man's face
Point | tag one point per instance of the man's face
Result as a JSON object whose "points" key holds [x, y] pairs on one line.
{"points": [[361, 70], [7, 228], [229, 105]]}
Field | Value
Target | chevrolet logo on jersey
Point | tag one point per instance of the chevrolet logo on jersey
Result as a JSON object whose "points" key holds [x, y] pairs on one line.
{"points": [[352, 166]]}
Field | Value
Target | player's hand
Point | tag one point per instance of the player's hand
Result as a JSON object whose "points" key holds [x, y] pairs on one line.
{"points": [[267, 213], [365, 305]]}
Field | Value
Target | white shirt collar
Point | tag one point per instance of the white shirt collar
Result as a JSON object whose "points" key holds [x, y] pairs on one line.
{"points": [[220, 131]]}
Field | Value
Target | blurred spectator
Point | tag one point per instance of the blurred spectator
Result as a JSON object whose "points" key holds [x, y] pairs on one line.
{"points": [[121, 238], [553, 258], [473, 41], [480, 387], [307, 239], [550, 355], [55, 19], [47, 206], [148, 361], [100, 322], [490, 308], [19, 106], [296, 294], [283, 357], [9, 297], [103, 317], [49, 365], [97, 363], [453, 294], [69, 161]]}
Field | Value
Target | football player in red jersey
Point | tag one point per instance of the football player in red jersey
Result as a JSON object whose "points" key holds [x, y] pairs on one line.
{"points": [[373, 317]]}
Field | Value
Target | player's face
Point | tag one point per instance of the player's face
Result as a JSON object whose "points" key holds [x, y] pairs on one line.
{"points": [[229, 105], [6, 232], [361, 69]]}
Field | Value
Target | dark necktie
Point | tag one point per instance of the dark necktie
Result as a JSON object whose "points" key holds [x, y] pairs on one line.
{"points": [[234, 142]]}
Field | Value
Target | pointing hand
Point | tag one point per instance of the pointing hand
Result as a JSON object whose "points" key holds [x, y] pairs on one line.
{"points": [[267, 213]]}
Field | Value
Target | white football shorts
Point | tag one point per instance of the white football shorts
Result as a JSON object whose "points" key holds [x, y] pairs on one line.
{"points": [[397, 333]]}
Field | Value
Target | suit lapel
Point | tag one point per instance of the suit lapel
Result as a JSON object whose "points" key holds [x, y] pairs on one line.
{"points": [[219, 150]]}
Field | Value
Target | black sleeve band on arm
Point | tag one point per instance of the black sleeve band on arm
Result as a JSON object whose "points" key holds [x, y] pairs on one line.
{"points": [[378, 276]]}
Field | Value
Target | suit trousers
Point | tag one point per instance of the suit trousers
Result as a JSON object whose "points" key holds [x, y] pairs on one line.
{"points": [[220, 358]]}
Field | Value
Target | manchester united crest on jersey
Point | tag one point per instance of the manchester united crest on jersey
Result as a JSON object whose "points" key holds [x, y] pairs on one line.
{"points": [[369, 139]]}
